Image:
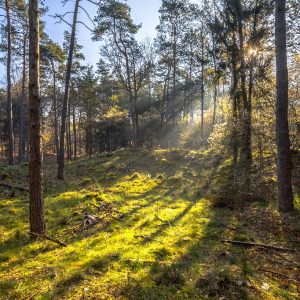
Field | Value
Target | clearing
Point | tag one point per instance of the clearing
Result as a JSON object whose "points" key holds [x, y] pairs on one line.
{"points": [[145, 225]]}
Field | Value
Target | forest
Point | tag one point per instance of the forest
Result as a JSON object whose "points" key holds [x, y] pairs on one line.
{"points": [[155, 160]]}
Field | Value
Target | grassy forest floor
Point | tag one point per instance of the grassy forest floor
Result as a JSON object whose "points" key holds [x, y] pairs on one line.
{"points": [[145, 225]]}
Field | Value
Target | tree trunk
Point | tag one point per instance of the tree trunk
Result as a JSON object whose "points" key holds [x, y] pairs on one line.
{"points": [[67, 137], [284, 164], [202, 86], [74, 131], [61, 158], [37, 223], [215, 103], [132, 99], [235, 102], [89, 146], [56, 143], [216, 82], [173, 103], [164, 98], [69, 132], [9, 97], [23, 97], [246, 154]]}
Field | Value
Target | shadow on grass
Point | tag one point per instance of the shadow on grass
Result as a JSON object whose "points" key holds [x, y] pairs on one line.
{"points": [[96, 267], [205, 257], [201, 194]]}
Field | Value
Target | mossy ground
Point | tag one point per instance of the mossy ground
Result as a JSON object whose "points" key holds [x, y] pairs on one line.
{"points": [[163, 241]]}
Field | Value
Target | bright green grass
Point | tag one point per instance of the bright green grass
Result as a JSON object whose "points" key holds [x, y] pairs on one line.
{"points": [[167, 245]]}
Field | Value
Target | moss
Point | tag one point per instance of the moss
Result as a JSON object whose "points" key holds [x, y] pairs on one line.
{"points": [[161, 241]]}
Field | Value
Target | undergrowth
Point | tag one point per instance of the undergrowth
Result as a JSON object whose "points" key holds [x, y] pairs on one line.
{"points": [[161, 219]]}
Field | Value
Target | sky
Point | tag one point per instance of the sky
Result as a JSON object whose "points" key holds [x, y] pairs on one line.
{"points": [[142, 11]]}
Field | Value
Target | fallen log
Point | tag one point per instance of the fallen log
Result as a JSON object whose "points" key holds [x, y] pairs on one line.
{"points": [[249, 244], [283, 257], [46, 237], [279, 274], [10, 186]]}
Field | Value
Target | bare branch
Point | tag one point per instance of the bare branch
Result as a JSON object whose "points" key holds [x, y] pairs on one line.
{"points": [[60, 19], [87, 15], [93, 2], [85, 26]]}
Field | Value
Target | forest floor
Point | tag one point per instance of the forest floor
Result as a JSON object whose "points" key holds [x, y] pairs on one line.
{"points": [[145, 225]]}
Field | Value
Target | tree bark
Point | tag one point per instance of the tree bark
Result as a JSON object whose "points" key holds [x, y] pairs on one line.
{"points": [[23, 97], [132, 105], [61, 158], [70, 153], [55, 109], [246, 154], [173, 103], [216, 82], [202, 85], [74, 130], [235, 105], [9, 96], [37, 223], [284, 164]]}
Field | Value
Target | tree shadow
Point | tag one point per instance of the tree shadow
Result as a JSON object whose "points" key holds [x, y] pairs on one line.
{"points": [[201, 194], [97, 267]]}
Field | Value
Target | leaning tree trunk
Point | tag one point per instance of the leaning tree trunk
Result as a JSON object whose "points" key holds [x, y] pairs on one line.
{"points": [[284, 164], [61, 157], [9, 97], [36, 202]]}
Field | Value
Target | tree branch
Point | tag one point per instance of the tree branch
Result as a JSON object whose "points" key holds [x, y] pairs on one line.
{"points": [[88, 28], [87, 15]]}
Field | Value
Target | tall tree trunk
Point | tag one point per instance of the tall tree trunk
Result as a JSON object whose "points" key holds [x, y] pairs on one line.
{"points": [[252, 58], [55, 109], [67, 137], [164, 98], [74, 130], [61, 158], [69, 132], [284, 164], [79, 147], [235, 101], [216, 80], [36, 202], [215, 103], [88, 141], [9, 96], [23, 97], [174, 75], [246, 154], [133, 117], [202, 85]]}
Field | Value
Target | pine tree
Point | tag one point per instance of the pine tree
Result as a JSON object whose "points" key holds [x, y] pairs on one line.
{"points": [[36, 201], [284, 164]]}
